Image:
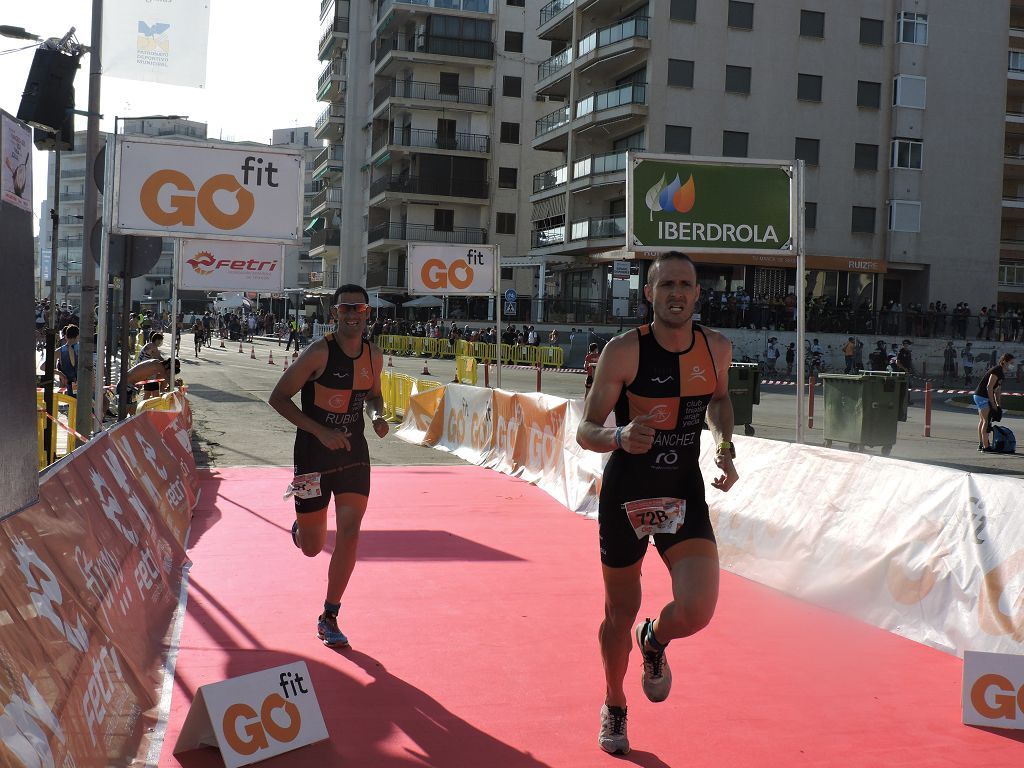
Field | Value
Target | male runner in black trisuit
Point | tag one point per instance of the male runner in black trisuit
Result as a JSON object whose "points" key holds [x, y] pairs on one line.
{"points": [[662, 380], [339, 377]]}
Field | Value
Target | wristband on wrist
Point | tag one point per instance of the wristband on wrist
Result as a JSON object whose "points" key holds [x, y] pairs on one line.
{"points": [[618, 437]]}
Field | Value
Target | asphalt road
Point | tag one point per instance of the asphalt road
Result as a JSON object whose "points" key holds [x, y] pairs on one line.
{"points": [[234, 425]]}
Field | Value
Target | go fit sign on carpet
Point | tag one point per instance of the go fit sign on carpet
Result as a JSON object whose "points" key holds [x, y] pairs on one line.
{"points": [[466, 270], [166, 188]]}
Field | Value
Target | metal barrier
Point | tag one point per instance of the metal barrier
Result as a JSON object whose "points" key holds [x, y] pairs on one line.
{"points": [[465, 369], [60, 427], [396, 388]]}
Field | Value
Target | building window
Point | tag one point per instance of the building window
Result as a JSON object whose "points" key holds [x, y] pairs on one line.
{"points": [[516, 3], [508, 178], [741, 15], [514, 42], [904, 216], [444, 220], [871, 31], [865, 157], [812, 24], [807, 150], [909, 91], [737, 79], [632, 141], [677, 139], [448, 83], [680, 73], [683, 10], [734, 143], [506, 273], [509, 133], [869, 94], [912, 28], [512, 86], [808, 87], [1016, 63], [906, 153], [863, 220], [810, 215], [505, 224]]}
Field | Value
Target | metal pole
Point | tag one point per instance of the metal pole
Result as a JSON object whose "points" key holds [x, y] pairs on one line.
{"points": [[174, 303], [103, 345], [51, 325], [90, 360], [801, 301], [126, 308], [497, 314]]}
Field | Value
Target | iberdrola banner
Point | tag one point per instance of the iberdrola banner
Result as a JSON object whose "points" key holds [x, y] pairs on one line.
{"points": [[159, 41]]}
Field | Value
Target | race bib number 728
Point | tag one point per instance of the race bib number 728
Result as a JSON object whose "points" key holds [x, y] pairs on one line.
{"points": [[652, 516]]}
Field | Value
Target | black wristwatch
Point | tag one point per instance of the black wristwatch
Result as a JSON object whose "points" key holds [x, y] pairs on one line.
{"points": [[727, 446]]}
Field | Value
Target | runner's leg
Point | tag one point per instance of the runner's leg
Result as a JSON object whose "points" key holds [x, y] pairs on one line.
{"points": [[622, 594], [693, 565], [312, 531], [349, 510]]}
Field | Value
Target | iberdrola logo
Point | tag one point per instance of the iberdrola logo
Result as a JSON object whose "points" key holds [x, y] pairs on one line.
{"points": [[671, 198], [200, 261]]}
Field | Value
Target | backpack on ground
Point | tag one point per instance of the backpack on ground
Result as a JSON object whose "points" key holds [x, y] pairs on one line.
{"points": [[1003, 439]]}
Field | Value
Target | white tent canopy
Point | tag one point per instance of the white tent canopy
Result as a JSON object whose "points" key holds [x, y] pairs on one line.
{"points": [[378, 303], [424, 301]]}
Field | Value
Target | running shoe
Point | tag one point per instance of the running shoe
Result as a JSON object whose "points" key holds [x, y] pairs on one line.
{"points": [[657, 677], [295, 534], [327, 630], [612, 737]]}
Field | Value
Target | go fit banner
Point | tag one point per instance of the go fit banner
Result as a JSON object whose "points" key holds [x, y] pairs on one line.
{"points": [[166, 188], [466, 270], [225, 265]]}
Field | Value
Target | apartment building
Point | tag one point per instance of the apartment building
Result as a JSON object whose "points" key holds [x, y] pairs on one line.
{"points": [[429, 105], [299, 264], [895, 106]]}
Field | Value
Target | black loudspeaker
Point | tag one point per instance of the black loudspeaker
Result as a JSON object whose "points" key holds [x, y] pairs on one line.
{"points": [[49, 90], [47, 140]]}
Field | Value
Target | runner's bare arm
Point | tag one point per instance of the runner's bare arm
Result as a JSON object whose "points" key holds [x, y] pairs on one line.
{"points": [[309, 365], [616, 367], [374, 406], [720, 414]]}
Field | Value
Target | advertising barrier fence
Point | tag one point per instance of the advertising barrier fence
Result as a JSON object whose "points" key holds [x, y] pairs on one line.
{"points": [[417, 346], [930, 553], [62, 436], [93, 573]]}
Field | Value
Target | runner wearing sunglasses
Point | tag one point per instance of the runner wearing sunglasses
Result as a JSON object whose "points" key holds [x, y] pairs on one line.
{"points": [[339, 379]]}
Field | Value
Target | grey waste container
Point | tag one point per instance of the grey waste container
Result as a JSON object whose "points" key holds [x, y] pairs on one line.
{"points": [[745, 393], [861, 410]]}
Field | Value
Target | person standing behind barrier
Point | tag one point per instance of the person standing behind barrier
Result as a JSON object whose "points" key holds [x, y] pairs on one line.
{"points": [[662, 380], [967, 361], [771, 354], [339, 376], [948, 363], [590, 365], [293, 335], [848, 348], [67, 360], [986, 396]]}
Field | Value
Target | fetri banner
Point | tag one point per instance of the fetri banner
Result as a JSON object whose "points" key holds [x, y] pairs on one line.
{"points": [[466, 270], [226, 265], [167, 188]]}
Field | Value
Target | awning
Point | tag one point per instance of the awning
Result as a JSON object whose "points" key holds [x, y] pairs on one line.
{"points": [[424, 301], [315, 225]]}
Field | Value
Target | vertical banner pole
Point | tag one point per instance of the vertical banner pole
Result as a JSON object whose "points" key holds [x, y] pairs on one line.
{"points": [[103, 322], [175, 260], [497, 313], [801, 300]]}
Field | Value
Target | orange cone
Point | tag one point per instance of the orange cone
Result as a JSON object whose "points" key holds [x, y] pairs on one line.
{"points": [[271, 360], [285, 363], [295, 354], [252, 354], [425, 371], [240, 350]]}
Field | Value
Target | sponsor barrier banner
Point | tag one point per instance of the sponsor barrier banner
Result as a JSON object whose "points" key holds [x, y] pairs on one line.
{"points": [[225, 265], [993, 690], [161, 42], [256, 716], [456, 270], [930, 553], [708, 204], [92, 575], [167, 188]]}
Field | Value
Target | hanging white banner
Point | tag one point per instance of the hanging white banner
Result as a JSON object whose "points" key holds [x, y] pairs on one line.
{"points": [[16, 165], [159, 42], [227, 265]]}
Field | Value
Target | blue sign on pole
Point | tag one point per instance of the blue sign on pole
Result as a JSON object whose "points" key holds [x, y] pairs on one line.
{"points": [[510, 308], [511, 295]]}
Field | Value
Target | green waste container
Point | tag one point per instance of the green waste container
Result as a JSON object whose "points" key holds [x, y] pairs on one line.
{"points": [[904, 387], [745, 393], [861, 410]]}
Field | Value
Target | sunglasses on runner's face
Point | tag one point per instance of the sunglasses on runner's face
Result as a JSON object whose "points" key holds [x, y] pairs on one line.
{"points": [[345, 307]]}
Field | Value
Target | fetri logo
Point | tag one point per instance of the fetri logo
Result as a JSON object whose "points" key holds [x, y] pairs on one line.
{"points": [[675, 197], [200, 262]]}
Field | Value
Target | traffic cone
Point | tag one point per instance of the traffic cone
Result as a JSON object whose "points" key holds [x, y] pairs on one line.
{"points": [[252, 354], [295, 354], [390, 364], [271, 360], [425, 371], [240, 350], [222, 342], [285, 363]]}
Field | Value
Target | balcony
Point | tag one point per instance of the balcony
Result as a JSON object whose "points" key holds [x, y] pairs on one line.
{"points": [[323, 238], [598, 228], [598, 170], [326, 198], [72, 173], [411, 90], [325, 5], [330, 37], [553, 74], [475, 189], [332, 80], [387, 8], [551, 179], [555, 20], [548, 237], [426, 233], [550, 132], [614, 49], [328, 162], [385, 279], [414, 48], [421, 138], [624, 103], [331, 123], [71, 197]]}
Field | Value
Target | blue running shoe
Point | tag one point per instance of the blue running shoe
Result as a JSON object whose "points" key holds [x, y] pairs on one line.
{"points": [[327, 630]]}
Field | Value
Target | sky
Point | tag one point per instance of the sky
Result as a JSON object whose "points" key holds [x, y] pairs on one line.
{"points": [[261, 71]]}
